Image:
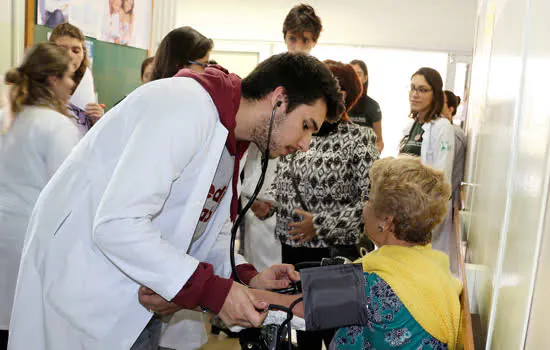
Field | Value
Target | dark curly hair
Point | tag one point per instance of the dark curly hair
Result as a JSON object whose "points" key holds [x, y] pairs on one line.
{"points": [[304, 78]]}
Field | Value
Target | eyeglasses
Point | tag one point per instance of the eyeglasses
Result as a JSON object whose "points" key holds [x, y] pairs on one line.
{"points": [[203, 65], [419, 90]]}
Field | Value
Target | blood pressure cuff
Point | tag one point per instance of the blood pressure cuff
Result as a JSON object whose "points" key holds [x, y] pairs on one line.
{"points": [[334, 296]]}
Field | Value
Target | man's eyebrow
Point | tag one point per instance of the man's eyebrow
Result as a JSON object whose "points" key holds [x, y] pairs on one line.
{"points": [[315, 126]]}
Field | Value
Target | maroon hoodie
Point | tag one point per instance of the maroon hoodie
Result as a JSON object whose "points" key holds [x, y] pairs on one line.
{"points": [[204, 288]]}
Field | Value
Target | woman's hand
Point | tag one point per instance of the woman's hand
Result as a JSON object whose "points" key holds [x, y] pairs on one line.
{"points": [[302, 231], [94, 111]]}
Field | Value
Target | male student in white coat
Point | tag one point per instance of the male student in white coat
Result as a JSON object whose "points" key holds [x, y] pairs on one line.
{"points": [[142, 199]]}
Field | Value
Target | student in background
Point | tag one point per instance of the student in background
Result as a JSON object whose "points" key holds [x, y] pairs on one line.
{"points": [[83, 103], [431, 137], [147, 69], [449, 111], [366, 111], [36, 136], [181, 48], [301, 30]]}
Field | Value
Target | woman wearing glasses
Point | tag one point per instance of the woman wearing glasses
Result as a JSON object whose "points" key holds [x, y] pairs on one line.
{"points": [[182, 48], [430, 136]]}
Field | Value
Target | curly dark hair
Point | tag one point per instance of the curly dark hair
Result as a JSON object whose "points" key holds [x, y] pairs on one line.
{"points": [[304, 78]]}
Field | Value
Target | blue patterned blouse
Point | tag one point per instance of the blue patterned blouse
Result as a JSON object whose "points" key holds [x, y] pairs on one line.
{"points": [[390, 324]]}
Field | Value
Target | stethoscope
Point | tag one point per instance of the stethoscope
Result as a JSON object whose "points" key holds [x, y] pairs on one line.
{"points": [[242, 213], [236, 225]]}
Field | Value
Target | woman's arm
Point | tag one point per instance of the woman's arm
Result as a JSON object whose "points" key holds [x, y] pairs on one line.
{"points": [[280, 299]]}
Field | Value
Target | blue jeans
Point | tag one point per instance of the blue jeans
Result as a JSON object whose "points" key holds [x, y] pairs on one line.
{"points": [[149, 338]]}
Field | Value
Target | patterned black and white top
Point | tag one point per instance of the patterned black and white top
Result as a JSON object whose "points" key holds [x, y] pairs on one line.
{"points": [[331, 177]]}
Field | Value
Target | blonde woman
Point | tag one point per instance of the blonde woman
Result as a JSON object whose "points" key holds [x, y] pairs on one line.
{"points": [[83, 102], [413, 300], [37, 135]]}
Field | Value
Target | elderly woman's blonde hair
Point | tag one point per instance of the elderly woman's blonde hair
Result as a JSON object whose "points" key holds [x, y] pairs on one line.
{"points": [[415, 195]]}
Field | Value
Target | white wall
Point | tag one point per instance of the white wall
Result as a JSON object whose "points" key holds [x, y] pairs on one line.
{"points": [[434, 25], [509, 158], [12, 28]]}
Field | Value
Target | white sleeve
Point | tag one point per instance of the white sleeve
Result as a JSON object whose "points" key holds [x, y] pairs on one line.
{"points": [[62, 136], [160, 146], [443, 148]]}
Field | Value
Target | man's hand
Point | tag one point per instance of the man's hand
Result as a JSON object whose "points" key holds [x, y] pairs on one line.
{"points": [[241, 308], [260, 208], [275, 277], [281, 299], [155, 303], [302, 231]]}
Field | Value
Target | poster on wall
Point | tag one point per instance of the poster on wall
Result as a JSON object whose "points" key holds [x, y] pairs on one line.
{"points": [[128, 22], [123, 22]]}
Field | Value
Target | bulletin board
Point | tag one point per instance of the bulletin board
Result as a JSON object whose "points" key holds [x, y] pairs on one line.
{"points": [[116, 68]]}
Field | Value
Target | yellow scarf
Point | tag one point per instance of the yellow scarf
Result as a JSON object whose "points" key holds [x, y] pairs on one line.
{"points": [[421, 278]]}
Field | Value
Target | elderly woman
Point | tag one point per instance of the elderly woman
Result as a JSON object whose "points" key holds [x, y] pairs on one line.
{"points": [[413, 300]]}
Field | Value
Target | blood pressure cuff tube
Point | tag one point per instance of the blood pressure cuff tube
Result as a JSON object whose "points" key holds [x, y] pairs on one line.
{"points": [[334, 296]]}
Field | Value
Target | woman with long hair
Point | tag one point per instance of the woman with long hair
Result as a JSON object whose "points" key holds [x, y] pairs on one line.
{"points": [[183, 47], [36, 136], [430, 136], [82, 104]]}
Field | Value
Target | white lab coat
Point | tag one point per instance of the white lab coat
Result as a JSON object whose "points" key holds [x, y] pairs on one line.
{"points": [[438, 143], [261, 247], [120, 213], [30, 152]]}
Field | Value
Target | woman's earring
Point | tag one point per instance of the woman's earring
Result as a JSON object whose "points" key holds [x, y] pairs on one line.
{"points": [[380, 229]]}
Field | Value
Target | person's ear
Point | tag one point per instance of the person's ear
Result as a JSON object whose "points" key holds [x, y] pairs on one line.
{"points": [[389, 225], [278, 97], [53, 81]]}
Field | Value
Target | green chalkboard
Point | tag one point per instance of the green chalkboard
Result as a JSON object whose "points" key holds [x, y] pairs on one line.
{"points": [[116, 68]]}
